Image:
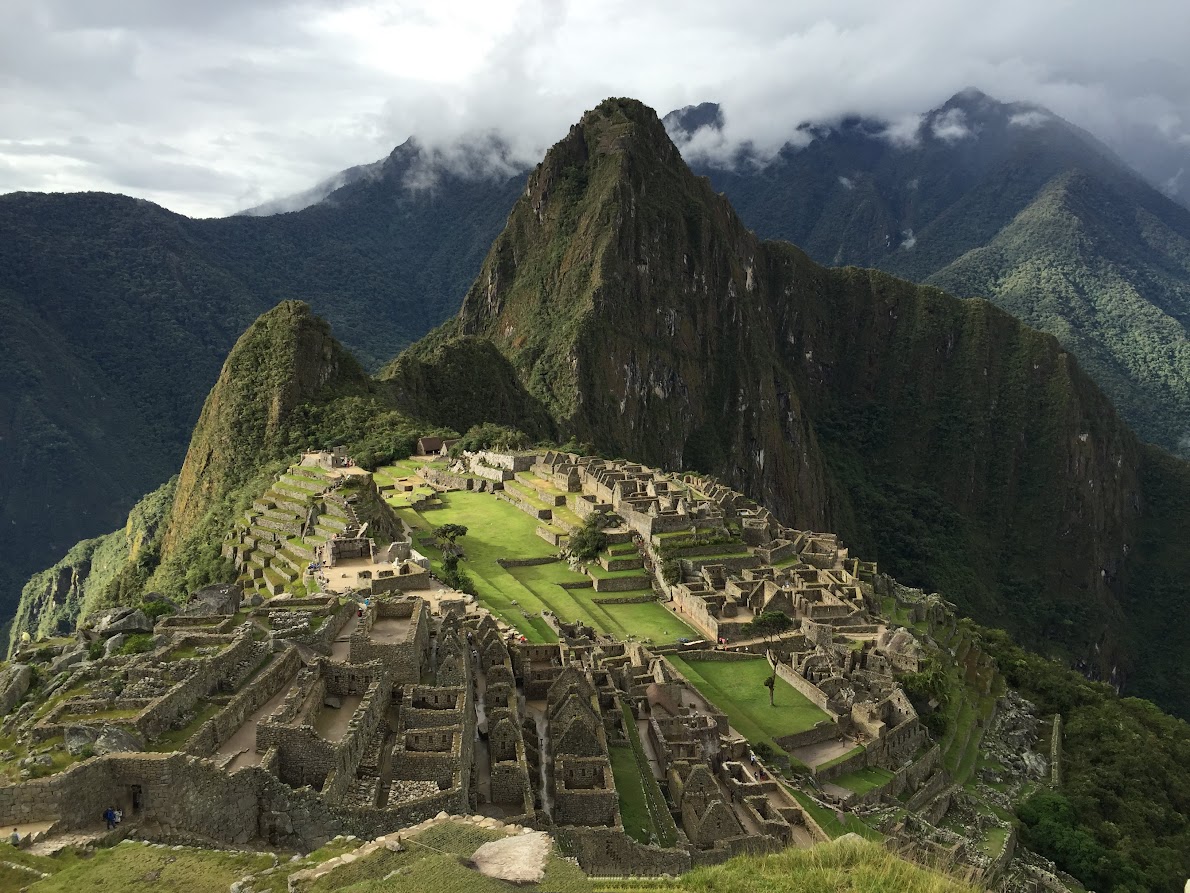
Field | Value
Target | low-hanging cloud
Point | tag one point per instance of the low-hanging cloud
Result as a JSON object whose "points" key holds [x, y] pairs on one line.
{"points": [[208, 108]]}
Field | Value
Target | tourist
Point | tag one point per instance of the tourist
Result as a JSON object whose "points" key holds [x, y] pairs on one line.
{"points": [[109, 816], [15, 839]]}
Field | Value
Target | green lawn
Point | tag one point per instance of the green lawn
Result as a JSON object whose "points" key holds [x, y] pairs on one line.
{"points": [[634, 810], [646, 620], [738, 689], [864, 780], [497, 529]]}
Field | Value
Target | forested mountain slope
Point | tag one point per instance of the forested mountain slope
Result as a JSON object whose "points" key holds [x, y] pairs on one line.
{"points": [[962, 450], [1007, 202], [119, 313]]}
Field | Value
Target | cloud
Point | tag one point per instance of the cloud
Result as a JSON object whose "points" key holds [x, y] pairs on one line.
{"points": [[910, 240], [210, 107], [951, 126], [846, 183], [1031, 118]]}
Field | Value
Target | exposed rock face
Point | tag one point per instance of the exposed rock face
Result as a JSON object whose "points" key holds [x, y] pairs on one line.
{"points": [[962, 450], [84, 580], [124, 621], [519, 859], [101, 739]]}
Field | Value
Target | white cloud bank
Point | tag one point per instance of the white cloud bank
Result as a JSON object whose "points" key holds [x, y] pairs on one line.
{"points": [[211, 107]]}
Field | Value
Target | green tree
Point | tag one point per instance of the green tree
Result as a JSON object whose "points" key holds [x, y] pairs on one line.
{"points": [[590, 539], [447, 537], [768, 626]]}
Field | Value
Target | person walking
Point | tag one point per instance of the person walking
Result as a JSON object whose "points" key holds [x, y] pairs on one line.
{"points": [[109, 816]]}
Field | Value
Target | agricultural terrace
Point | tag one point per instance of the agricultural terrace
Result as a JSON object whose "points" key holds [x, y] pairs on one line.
{"points": [[737, 688], [499, 530]]}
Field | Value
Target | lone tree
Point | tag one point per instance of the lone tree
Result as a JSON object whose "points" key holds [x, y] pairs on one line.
{"points": [[589, 540], [446, 537], [768, 626]]}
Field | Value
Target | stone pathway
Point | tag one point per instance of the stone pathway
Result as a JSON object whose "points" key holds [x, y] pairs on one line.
{"points": [[341, 647], [51, 846]]}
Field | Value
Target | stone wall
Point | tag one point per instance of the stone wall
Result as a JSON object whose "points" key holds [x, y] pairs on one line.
{"points": [[212, 672], [611, 852], [824, 730], [227, 721], [620, 584], [404, 660], [509, 461], [183, 795], [808, 689]]}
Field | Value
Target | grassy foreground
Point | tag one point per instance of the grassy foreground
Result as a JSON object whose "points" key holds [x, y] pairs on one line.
{"points": [[843, 866]]}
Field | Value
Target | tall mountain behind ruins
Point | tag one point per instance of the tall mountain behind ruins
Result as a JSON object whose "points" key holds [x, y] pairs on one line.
{"points": [[961, 449], [627, 305]]}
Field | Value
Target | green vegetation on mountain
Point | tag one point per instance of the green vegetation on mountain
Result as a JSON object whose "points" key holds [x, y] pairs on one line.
{"points": [[940, 437], [1120, 820], [286, 386], [118, 315], [95, 573], [1017, 206]]}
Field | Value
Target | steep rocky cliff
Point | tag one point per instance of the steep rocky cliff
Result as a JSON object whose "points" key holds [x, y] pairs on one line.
{"points": [[286, 358], [86, 577], [963, 450]]}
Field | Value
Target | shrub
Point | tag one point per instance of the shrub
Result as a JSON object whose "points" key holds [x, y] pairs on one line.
{"points": [[671, 571], [590, 540], [137, 644], [158, 608]]}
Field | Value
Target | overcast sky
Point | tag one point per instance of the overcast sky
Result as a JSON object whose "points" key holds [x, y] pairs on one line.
{"points": [[209, 106]]}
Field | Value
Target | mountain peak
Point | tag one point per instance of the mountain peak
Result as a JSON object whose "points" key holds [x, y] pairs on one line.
{"points": [[287, 357]]}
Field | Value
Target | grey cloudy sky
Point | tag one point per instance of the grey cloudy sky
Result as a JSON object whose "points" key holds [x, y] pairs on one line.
{"points": [[208, 106]]}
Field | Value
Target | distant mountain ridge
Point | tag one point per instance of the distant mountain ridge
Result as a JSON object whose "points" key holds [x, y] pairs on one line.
{"points": [[122, 311], [119, 314], [1005, 201]]}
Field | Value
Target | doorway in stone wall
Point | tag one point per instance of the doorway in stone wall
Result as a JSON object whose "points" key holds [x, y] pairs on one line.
{"points": [[137, 798]]}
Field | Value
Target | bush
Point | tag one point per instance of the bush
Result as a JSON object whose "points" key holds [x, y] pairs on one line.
{"points": [[490, 436], [95, 650], [590, 540], [137, 644], [458, 579], [158, 608], [671, 571]]}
